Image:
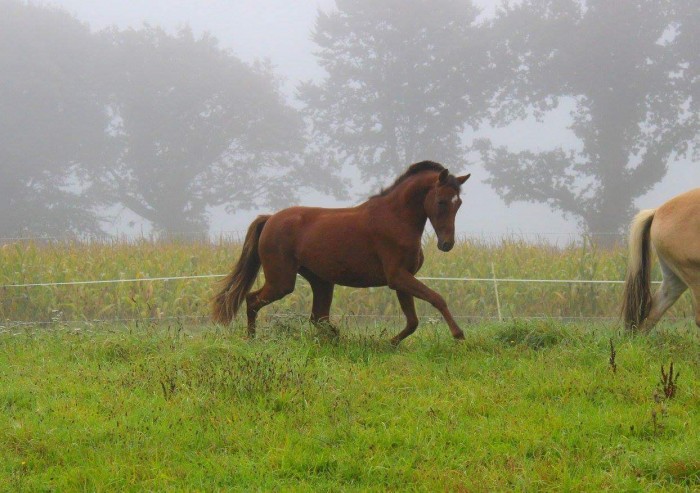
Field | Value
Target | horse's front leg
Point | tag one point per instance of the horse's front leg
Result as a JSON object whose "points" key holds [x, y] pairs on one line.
{"points": [[409, 309], [402, 280]]}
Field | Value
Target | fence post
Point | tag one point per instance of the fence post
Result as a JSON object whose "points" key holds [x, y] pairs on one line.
{"points": [[495, 288]]}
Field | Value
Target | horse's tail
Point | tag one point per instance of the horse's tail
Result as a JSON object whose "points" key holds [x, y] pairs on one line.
{"points": [[237, 284], [636, 303]]}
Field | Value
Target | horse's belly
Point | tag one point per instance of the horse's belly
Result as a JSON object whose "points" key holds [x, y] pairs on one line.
{"points": [[347, 270], [343, 259], [358, 279]]}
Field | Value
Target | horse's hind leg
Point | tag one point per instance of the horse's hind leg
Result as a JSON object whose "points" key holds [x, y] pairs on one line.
{"points": [[279, 282], [321, 309], [671, 289], [408, 307], [323, 298]]}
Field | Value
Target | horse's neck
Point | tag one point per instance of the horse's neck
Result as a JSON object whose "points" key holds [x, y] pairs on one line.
{"points": [[406, 202]]}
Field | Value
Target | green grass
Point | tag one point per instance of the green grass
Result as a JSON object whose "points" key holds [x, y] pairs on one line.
{"points": [[530, 406]]}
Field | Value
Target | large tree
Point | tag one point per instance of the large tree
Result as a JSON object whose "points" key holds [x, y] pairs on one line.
{"points": [[628, 71], [52, 120], [192, 127], [403, 80], [686, 32]]}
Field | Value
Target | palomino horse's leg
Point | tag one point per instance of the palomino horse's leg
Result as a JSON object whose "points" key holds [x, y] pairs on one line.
{"points": [[402, 280], [279, 282], [693, 282], [695, 292], [409, 309], [671, 289]]}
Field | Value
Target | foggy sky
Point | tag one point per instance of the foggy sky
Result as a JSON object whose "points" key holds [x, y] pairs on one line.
{"points": [[279, 30]]}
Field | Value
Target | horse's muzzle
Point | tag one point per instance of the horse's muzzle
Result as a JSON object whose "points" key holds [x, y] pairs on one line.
{"points": [[446, 246]]}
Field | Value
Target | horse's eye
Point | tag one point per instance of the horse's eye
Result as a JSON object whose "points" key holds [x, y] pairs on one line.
{"points": [[442, 204]]}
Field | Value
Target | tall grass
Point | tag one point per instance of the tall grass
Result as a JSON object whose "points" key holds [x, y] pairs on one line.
{"points": [[36, 262]]}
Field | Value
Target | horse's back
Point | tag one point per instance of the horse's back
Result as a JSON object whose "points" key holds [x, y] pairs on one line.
{"points": [[294, 223], [335, 244], [286, 228]]}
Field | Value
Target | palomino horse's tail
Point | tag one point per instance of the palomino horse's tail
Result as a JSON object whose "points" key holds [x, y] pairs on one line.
{"points": [[237, 284], [636, 303]]}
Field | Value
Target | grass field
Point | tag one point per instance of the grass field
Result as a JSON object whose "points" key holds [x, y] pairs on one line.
{"points": [[529, 406], [167, 402]]}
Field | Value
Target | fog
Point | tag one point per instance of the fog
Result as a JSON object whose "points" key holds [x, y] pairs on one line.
{"points": [[594, 117]]}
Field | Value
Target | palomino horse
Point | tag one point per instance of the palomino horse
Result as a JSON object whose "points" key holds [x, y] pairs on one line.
{"points": [[377, 243], [674, 231]]}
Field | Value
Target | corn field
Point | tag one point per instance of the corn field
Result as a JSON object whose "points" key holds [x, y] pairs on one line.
{"points": [[55, 262]]}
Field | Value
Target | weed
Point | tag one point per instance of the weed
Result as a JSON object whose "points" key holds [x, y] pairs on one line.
{"points": [[668, 381], [665, 390], [613, 354]]}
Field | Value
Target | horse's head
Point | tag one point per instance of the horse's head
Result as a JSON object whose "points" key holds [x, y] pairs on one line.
{"points": [[441, 205]]}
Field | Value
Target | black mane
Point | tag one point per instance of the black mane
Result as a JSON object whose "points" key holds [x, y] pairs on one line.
{"points": [[414, 169]]}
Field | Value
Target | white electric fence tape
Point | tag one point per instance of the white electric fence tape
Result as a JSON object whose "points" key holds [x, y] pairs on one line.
{"points": [[210, 276]]}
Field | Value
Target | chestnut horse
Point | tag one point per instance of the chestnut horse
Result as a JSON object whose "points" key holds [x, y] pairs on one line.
{"points": [[674, 231], [377, 243]]}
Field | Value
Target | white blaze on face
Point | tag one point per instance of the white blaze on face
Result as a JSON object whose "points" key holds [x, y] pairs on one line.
{"points": [[455, 199]]}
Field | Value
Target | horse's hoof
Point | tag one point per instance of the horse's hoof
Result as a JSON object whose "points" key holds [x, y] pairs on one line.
{"points": [[459, 337]]}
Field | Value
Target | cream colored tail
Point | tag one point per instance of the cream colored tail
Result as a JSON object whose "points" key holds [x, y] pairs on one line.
{"points": [[636, 303]]}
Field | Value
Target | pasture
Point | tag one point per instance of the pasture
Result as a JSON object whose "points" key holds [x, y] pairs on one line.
{"points": [[157, 402], [518, 405]]}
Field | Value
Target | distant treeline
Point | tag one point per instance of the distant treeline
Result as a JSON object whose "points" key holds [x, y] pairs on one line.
{"points": [[169, 125]]}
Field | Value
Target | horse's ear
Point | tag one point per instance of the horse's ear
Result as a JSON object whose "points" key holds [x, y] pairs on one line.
{"points": [[443, 176], [462, 179]]}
